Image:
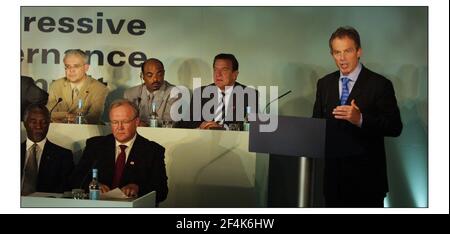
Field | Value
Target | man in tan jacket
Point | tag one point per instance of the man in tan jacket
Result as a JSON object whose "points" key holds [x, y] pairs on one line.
{"points": [[66, 93]]}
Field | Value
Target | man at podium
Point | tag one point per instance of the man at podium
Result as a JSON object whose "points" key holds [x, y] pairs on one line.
{"points": [[124, 159], [361, 109]]}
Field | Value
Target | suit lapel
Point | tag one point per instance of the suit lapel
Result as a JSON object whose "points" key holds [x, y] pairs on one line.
{"points": [[47, 153], [359, 85], [107, 167], [232, 108], [23, 153], [67, 93], [84, 91], [212, 96], [334, 91], [132, 160]]}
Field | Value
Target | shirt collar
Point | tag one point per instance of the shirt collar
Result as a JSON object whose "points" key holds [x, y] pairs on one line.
{"points": [[129, 143], [353, 76], [79, 85], [228, 90], [41, 144]]}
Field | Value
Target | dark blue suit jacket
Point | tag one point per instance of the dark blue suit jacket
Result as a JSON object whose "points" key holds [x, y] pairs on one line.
{"points": [[355, 157], [55, 168], [145, 165], [231, 115]]}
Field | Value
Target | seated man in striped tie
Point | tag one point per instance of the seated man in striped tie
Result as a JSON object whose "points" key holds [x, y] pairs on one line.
{"points": [[361, 106], [45, 167], [224, 102], [124, 159]]}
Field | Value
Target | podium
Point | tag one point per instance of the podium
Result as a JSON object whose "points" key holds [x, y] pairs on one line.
{"points": [[291, 147], [52, 200]]}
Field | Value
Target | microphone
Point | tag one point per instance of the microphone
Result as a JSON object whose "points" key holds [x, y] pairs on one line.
{"points": [[284, 94], [57, 102], [139, 99]]}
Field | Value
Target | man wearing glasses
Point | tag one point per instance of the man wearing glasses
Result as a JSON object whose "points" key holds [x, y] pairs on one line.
{"points": [[124, 159], [76, 89]]}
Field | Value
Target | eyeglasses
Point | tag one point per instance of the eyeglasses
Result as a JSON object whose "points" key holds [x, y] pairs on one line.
{"points": [[123, 122], [76, 66]]}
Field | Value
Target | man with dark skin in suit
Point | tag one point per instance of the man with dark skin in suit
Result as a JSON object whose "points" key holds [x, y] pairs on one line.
{"points": [[52, 164]]}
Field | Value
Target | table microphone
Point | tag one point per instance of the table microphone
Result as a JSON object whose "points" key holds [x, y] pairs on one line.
{"points": [[59, 100]]}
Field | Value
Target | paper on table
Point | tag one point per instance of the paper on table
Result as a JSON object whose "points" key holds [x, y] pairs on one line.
{"points": [[115, 193]]}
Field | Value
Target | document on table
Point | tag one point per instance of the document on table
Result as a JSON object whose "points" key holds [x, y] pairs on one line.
{"points": [[115, 193]]}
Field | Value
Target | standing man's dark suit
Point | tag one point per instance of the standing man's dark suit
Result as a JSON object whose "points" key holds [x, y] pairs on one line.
{"points": [[361, 109], [232, 111], [362, 173], [145, 165], [55, 167]]}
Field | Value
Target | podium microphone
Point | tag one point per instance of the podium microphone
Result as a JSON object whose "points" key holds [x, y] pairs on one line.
{"points": [[59, 100], [284, 94]]}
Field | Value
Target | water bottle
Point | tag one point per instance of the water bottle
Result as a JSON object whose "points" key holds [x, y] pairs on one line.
{"points": [[94, 187], [79, 118], [153, 119], [246, 122]]}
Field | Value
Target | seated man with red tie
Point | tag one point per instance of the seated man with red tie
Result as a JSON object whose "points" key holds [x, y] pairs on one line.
{"points": [[124, 159]]}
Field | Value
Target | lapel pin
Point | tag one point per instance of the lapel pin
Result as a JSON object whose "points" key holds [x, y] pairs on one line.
{"points": [[132, 163]]}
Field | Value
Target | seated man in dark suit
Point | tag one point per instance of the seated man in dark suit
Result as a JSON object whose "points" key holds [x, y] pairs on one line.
{"points": [[124, 159], [45, 167], [224, 102], [30, 93]]}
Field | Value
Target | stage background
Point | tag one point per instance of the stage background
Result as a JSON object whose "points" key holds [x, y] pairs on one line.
{"points": [[282, 46]]}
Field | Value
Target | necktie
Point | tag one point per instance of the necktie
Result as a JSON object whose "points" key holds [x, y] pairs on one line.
{"points": [[120, 165], [345, 93], [221, 114], [75, 93], [30, 172]]}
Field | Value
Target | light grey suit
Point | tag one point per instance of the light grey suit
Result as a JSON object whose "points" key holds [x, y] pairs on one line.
{"points": [[143, 99]]}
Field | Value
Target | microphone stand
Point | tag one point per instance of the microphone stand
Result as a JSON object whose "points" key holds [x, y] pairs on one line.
{"points": [[284, 94]]}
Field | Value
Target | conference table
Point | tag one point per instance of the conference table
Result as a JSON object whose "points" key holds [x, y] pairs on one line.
{"points": [[58, 200], [205, 168]]}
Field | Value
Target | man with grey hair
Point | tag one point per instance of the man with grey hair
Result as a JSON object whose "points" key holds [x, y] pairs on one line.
{"points": [[45, 167], [361, 109], [67, 93], [124, 159]]}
